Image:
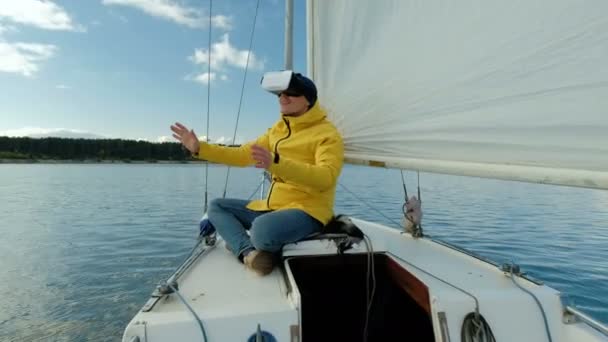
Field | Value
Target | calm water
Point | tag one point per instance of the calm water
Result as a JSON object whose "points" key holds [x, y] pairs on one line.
{"points": [[82, 246]]}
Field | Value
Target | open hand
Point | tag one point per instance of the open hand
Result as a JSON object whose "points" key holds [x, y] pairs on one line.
{"points": [[262, 156], [186, 137]]}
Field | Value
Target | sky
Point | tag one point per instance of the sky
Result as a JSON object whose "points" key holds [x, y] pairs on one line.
{"points": [[130, 68]]}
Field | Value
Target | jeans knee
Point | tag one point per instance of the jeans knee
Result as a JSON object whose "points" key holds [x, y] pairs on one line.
{"points": [[215, 212], [262, 239]]}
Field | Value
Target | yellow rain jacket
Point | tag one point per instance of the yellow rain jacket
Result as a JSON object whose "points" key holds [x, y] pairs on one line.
{"points": [[308, 155]]}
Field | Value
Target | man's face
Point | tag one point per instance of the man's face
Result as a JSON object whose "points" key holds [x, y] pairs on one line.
{"points": [[293, 103]]}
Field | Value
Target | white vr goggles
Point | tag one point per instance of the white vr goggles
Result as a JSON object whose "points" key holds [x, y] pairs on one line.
{"points": [[276, 81]]}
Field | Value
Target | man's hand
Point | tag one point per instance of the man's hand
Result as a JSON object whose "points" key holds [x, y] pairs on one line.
{"points": [[262, 157], [186, 137]]}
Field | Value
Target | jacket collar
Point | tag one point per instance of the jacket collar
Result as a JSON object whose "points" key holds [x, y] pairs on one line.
{"points": [[314, 114]]}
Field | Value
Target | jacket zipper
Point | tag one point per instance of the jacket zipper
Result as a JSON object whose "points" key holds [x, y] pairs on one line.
{"points": [[276, 151]]}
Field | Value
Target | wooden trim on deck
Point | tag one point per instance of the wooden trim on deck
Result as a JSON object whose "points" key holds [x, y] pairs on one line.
{"points": [[410, 284]]}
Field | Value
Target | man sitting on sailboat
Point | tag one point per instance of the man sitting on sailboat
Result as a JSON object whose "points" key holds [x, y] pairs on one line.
{"points": [[304, 153]]}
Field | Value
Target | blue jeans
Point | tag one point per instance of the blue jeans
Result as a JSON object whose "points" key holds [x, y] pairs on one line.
{"points": [[269, 230]]}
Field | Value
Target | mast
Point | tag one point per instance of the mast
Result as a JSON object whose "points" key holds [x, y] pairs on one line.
{"points": [[309, 39], [288, 34]]}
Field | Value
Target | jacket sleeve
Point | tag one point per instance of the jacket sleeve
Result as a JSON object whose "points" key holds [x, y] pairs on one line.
{"points": [[323, 174], [233, 156]]}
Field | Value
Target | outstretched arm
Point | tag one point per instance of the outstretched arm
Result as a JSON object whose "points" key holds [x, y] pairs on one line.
{"points": [[233, 156]]}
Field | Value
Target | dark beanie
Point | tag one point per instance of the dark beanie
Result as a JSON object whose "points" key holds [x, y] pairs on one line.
{"points": [[303, 85]]}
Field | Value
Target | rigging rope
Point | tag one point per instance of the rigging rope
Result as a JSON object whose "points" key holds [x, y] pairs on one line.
{"points": [[403, 183], [238, 115], [369, 205], [476, 329], [198, 319], [208, 104], [369, 277], [256, 189], [540, 306], [189, 260]]}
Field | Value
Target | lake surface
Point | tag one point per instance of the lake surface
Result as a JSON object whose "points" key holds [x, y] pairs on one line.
{"points": [[83, 245]]}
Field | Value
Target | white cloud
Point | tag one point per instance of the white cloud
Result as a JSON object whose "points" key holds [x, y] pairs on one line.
{"points": [[10, 28], [160, 139], [44, 14], [221, 140], [63, 87], [37, 132], [42, 51], [224, 54], [172, 10], [165, 138], [205, 77], [221, 21], [24, 58], [5, 28]]}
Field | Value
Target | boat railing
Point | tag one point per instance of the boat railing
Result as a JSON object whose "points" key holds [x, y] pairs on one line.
{"points": [[573, 315]]}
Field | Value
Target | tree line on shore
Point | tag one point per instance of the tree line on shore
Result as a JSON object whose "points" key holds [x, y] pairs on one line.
{"points": [[90, 149]]}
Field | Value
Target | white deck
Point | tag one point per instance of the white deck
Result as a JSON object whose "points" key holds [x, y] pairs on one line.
{"points": [[231, 300], [512, 314]]}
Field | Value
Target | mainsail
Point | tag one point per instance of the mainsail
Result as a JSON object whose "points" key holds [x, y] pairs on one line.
{"points": [[502, 89]]}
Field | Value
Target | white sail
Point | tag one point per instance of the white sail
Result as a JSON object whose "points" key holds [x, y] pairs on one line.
{"points": [[501, 89]]}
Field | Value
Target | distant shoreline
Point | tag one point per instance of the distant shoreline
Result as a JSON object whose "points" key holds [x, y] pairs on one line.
{"points": [[72, 161]]}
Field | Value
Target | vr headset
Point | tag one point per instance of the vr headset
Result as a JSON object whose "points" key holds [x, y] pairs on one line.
{"points": [[277, 81]]}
